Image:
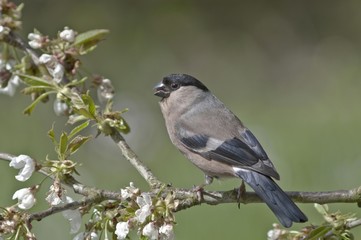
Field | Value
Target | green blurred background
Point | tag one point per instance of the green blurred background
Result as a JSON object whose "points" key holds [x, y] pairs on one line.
{"points": [[289, 69]]}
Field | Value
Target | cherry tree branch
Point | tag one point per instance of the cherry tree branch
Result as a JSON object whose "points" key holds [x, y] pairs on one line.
{"points": [[129, 154], [56, 209], [184, 198], [189, 198], [353, 224]]}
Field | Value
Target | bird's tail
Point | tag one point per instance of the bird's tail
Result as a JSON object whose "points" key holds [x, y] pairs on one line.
{"points": [[277, 200]]}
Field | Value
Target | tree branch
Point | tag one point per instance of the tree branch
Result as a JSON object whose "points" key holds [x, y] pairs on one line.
{"points": [[189, 198], [56, 209], [353, 224], [129, 154]]}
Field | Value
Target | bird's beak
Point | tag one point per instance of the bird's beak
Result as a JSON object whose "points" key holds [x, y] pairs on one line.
{"points": [[161, 90]]}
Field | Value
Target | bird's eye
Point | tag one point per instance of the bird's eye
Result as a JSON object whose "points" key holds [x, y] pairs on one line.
{"points": [[174, 85]]}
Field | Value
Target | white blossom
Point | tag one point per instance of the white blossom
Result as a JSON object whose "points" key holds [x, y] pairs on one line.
{"points": [[15, 80], [60, 107], [73, 216], [166, 232], [275, 233], [97, 215], [129, 192], [55, 195], [150, 231], [145, 206], [105, 91], [47, 59], [35, 44], [55, 68], [34, 36], [58, 73], [4, 30], [35, 40], [26, 166], [26, 198], [122, 230], [10, 89], [82, 235], [67, 35]]}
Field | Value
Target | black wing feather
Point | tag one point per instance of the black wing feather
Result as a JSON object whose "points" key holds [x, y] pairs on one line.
{"points": [[253, 143], [195, 142], [232, 151]]}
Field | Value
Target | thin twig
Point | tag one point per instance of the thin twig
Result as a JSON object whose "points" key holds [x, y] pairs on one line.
{"points": [[129, 154], [16, 41], [56, 209], [353, 224]]}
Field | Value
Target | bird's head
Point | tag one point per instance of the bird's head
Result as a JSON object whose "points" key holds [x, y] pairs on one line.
{"points": [[173, 82]]}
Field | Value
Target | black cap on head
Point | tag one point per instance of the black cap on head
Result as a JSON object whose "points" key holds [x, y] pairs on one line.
{"points": [[172, 82], [183, 80]]}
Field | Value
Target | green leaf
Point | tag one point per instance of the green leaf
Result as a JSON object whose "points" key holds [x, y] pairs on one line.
{"points": [[83, 112], [321, 208], [31, 107], [51, 134], [77, 100], [76, 118], [77, 142], [63, 145], [319, 232], [35, 81], [91, 106], [76, 82], [77, 129], [32, 89], [88, 41], [124, 127]]}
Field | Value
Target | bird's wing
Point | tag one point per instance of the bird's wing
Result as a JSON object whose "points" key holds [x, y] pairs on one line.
{"points": [[243, 151]]}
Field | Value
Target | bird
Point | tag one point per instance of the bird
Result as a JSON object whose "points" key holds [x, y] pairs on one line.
{"points": [[214, 139]]}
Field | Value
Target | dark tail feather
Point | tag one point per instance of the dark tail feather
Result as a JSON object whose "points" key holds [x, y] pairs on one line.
{"points": [[277, 200]]}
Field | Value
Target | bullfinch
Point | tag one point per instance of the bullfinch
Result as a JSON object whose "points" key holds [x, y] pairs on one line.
{"points": [[217, 142]]}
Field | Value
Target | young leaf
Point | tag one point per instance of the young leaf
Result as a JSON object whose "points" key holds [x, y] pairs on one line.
{"points": [[77, 129], [321, 208], [32, 89], [34, 81], [124, 127], [83, 112], [88, 41], [51, 134], [77, 142], [76, 118], [31, 107], [63, 145], [76, 82], [77, 101], [319, 233], [89, 101]]}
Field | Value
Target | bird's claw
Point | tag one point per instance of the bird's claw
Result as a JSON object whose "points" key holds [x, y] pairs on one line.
{"points": [[199, 191], [240, 193]]}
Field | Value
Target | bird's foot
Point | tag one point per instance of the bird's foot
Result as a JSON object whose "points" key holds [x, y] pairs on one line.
{"points": [[199, 191], [240, 193]]}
